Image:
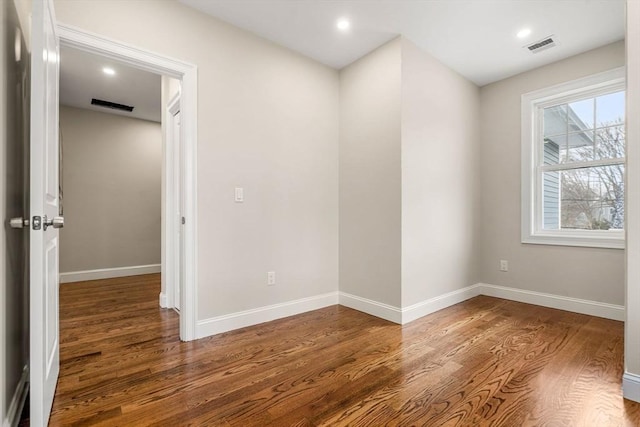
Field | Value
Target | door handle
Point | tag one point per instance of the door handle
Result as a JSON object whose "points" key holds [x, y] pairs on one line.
{"points": [[55, 222], [18, 222]]}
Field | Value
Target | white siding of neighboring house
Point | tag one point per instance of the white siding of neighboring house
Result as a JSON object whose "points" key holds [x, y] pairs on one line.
{"points": [[551, 187]]}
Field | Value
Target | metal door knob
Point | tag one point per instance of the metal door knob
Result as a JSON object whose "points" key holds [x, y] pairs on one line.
{"points": [[18, 222], [55, 222]]}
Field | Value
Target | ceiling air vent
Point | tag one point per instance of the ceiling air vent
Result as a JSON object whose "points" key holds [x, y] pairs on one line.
{"points": [[112, 105], [541, 45]]}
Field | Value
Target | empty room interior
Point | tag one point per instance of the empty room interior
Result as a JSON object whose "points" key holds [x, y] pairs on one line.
{"points": [[329, 213], [111, 168]]}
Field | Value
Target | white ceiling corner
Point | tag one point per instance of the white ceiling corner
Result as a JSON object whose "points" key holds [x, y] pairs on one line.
{"points": [[476, 38]]}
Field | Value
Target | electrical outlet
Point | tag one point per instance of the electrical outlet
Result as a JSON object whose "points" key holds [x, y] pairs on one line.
{"points": [[271, 278], [504, 265]]}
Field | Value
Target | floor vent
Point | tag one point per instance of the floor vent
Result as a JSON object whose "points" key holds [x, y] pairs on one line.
{"points": [[109, 104], [546, 43]]}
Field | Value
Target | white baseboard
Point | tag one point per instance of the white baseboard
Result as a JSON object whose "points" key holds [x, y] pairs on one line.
{"points": [[229, 322], [432, 305], [415, 311], [374, 308], [17, 402], [216, 325], [576, 305], [108, 273], [164, 300], [631, 386]]}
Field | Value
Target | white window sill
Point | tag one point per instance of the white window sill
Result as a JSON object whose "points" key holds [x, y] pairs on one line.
{"points": [[588, 239]]}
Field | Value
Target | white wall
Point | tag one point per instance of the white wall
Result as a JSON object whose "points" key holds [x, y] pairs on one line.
{"points": [[312, 146], [111, 181], [409, 177], [370, 176], [585, 273], [267, 122], [440, 178], [631, 381]]}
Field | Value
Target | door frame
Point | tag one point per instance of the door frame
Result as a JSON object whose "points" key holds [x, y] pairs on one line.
{"points": [[173, 270], [145, 60]]}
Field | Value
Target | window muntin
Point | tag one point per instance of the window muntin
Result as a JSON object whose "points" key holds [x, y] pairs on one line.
{"points": [[573, 140], [577, 192]]}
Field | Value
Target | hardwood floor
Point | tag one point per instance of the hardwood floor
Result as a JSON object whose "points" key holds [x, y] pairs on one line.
{"points": [[483, 362]]}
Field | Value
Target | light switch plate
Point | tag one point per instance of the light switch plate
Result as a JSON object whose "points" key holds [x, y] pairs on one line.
{"points": [[239, 195]]}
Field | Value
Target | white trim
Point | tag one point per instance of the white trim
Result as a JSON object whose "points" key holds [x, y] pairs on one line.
{"points": [[108, 273], [163, 300], [614, 240], [575, 305], [188, 73], [531, 222], [19, 398], [228, 322], [432, 305], [631, 386], [374, 308], [587, 164], [632, 207], [415, 311], [241, 319], [171, 266]]}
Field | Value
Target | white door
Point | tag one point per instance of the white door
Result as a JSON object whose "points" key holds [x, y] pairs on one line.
{"points": [[177, 144], [44, 205]]}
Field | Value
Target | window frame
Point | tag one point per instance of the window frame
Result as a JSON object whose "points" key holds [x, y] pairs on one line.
{"points": [[533, 104]]}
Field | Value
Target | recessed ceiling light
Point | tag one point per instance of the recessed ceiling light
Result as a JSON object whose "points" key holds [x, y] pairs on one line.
{"points": [[524, 33], [343, 24], [108, 71]]}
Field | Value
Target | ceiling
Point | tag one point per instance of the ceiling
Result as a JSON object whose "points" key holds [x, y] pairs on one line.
{"points": [[82, 78], [477, 38]]}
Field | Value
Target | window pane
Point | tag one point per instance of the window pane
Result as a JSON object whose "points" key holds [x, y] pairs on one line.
{"points": [[577, 172], [590, 198], [580, 146], [555, 149], [551, 201], [610, 109], [610, 142], [551, 152], [555, 120], [580, 115], [569, 130]]}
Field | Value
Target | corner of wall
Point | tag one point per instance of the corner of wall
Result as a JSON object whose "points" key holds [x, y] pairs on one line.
{"points": [[370, 176], [440, 140], [631, 380]]}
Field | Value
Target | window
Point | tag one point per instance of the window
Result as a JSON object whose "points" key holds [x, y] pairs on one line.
{"points": [[573, 161]]}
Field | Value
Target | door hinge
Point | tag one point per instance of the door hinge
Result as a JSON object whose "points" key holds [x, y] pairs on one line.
{"points": [[183, 221], [37, 222]]}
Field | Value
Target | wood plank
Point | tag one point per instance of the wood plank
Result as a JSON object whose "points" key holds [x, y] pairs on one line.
{"points": [[486, 361]]}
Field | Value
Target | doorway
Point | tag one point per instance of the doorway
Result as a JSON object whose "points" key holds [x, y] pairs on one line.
{"points": [[176, 263], [111, 145]]}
